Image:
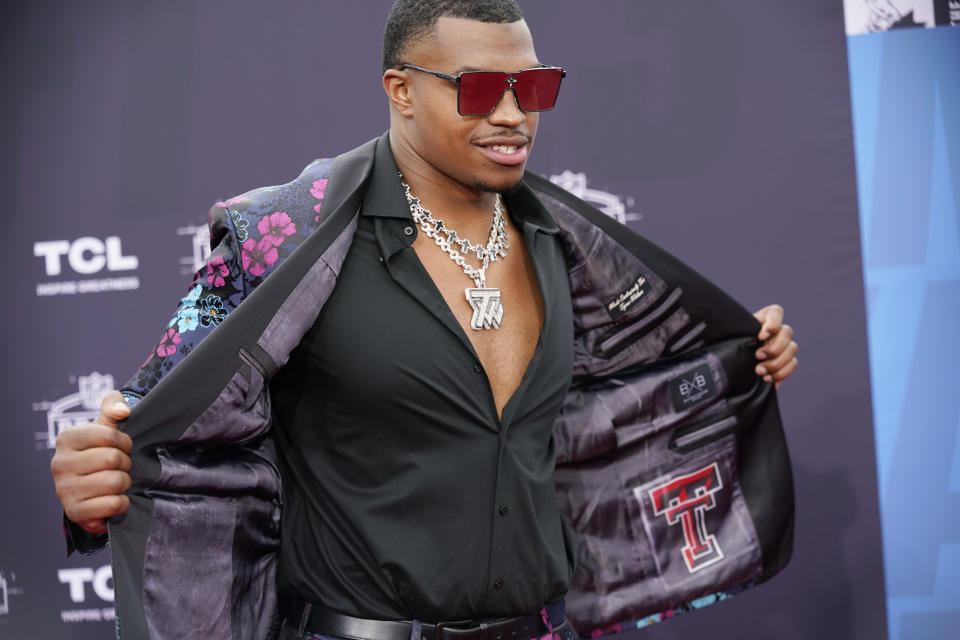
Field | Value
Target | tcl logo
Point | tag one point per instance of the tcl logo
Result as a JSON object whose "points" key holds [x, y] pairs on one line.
{"points": [[84, 255], [100, 579]]}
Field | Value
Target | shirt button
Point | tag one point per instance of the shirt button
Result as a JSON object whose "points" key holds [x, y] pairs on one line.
{"points": [[503, 510], [498, 584], [477, 368], [408, 231]]}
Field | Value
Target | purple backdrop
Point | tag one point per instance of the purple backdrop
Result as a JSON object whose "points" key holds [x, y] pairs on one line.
{"points": [[720, 130]]}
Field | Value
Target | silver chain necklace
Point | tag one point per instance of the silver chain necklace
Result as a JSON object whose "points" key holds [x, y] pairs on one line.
{"points": [[485, 301]]}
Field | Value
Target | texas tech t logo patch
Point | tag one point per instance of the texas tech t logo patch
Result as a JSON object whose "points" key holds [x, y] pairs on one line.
{"points": [[683, 502], [692, 524]]}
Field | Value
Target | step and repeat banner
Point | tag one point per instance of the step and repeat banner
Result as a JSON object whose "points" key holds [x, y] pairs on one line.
{"points": [[721, 130]]}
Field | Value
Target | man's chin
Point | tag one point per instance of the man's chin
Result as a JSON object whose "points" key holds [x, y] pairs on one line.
{"points": [[504, 186]]}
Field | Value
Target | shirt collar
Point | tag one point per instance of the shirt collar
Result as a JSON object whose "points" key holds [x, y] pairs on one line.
{"points": [[384, 197]]}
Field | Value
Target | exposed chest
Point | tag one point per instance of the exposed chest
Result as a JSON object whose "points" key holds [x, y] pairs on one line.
{"points": [[504, 352]]}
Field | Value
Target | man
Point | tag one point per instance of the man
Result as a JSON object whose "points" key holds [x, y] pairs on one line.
{"points": [[412, 390]]}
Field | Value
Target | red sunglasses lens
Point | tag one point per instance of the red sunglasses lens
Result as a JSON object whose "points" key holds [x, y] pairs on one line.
{"points": [[537, 89], [480, 91]]}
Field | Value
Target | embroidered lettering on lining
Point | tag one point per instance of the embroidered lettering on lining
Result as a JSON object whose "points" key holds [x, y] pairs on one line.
{"points": [[629, 297]]}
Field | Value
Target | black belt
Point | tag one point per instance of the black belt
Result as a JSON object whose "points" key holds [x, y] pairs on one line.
{"points": [[317, 619]]}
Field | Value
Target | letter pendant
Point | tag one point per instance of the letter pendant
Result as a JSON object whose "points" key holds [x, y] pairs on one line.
{"points": [[487, 308]]}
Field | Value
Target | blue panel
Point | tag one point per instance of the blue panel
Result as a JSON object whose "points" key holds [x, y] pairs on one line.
{"points": [[905, 90]]}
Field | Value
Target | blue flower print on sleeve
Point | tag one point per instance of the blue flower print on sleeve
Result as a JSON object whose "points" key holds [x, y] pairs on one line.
{"points": [[192, 296], [187, 319], [188, 315]]}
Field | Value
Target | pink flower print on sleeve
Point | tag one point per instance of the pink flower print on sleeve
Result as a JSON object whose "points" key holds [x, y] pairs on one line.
{"points": [[257, 256], [276, 227], [217, 271], [168, 343], [228, 203], [318, 190], [605, 631]]}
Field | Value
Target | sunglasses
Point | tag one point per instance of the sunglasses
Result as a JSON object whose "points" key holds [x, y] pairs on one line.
{"points": [[479, 92]]}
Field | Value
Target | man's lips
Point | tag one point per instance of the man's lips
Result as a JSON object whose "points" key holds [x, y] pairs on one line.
{"points": [[506, 151]]}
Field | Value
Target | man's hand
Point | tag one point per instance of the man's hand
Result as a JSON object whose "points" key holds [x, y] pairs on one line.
{"points": [[778, 354], [90, 467]]}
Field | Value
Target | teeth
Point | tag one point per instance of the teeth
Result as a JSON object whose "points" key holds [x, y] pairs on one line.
{"points": [[504, 149]]}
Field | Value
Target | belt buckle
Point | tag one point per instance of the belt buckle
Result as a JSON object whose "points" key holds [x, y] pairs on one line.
{"points": [[459, 631]]}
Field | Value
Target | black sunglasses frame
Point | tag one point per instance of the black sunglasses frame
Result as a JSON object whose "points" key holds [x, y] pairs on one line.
{"points": [[509, 85]]}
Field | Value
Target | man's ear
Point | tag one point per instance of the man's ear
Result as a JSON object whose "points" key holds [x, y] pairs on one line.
{"points": [[399, 91]]}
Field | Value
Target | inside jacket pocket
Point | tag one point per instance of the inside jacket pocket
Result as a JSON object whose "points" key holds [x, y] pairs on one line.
{"points": [[255, 374]]}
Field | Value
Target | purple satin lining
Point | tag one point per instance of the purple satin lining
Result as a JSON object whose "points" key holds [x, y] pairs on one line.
{"points": [[230, 496]]}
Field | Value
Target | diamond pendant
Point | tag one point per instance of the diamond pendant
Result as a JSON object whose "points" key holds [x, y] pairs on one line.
{"points": [[487, 307]]}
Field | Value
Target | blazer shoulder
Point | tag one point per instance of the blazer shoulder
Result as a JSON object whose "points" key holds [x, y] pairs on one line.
{"points": [[270, 222], [302, 195], [250, 235]]}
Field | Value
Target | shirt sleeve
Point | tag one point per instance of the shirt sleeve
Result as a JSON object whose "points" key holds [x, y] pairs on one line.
{"points": [[80, 540]]}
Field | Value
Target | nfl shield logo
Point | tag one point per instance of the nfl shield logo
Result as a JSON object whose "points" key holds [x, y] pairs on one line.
{"points": [[92, 389]]}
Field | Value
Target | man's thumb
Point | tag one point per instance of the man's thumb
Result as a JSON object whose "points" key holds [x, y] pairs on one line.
{"points": [[113, 409]]}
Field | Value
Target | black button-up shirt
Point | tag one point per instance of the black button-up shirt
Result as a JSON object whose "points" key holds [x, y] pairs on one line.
{"points": [[405, 496]]}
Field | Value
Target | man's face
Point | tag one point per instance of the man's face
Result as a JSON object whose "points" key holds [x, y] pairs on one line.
{"points": [[487, 152]]}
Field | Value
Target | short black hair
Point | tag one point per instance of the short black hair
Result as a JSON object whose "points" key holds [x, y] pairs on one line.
{"points": [[412, 20]]}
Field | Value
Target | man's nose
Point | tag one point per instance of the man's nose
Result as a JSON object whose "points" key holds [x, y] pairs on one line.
{"points": [[507, 111]]}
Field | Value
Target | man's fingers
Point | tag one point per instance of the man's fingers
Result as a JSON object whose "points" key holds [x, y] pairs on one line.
{"points": [[780, 368], [69, 469], [104, 459], [775, 345], [777, 354], [90, 467], [122, 441], [75, 489], [771, 318], [92, 435], [785, 371], [773, 365], [95, 527], [92, 514], [113, 482]]}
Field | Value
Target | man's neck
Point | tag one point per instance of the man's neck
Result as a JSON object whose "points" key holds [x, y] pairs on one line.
{"points": [[464, 208]]}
